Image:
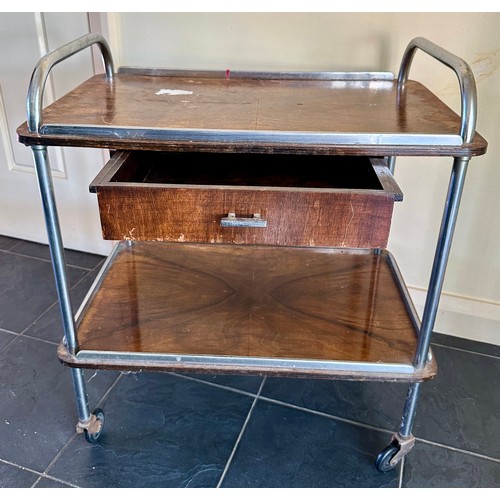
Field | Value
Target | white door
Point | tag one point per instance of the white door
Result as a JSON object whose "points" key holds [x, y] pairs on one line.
{"points": [[24, 38]]}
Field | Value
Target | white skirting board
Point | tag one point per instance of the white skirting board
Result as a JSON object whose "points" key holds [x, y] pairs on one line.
{"points": [[465, 317]]}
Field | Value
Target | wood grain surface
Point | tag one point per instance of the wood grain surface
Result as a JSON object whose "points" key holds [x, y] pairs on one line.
{"points": [[310, 107], [328, 201], [282, 303]]}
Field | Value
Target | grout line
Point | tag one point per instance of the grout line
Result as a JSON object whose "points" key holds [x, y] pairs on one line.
{"points": [[459, 450], [99, 264], [47, 476], [9, 331], [54, 460], [213, 384], [289, 405], [465, 350], [48, 260], [106, 394], [380, 429], [36, 482], [401, 469], [333, 417], [14, 337], [38, 318], [8, 462], [29, 337], [326, 415], [240, 435], [14, 246], [53, 305], [72, 438], [39, 474]]}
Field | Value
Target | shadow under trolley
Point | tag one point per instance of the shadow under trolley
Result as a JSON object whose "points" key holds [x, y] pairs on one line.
{"points": [[252, 211]]}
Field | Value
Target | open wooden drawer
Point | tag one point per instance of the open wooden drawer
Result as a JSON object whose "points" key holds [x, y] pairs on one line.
{"points": [[284, 200]]}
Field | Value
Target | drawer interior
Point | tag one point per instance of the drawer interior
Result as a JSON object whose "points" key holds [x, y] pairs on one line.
{"points": [[238, 169]]}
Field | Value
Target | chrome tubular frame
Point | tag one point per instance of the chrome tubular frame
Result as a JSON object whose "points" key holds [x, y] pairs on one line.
{"points": [[465, 80], [42, 165], [466, 133], [467, 130], [46, 187], [448, 223], [34, 101]]}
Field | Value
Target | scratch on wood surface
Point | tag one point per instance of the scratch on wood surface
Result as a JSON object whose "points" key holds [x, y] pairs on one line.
{"points": [[130, 236], [348, 224]]}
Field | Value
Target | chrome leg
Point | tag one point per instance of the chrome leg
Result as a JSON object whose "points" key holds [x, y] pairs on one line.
{"points": [[403, 441], [448, 222], [409, 410], [59, 265], [391, 163], [55, 242], [82, 402]]}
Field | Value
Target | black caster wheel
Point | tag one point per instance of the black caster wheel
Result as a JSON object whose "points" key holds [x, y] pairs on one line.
{"points": [[93, 437], [383, 462]]}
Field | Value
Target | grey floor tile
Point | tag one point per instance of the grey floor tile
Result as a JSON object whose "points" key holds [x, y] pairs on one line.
{"points": [[466, 344], [243, 383], [161, 431], [37, 403], [429, 466], [287, 448], [461, 406], [6, 243], [49, 325], [6, 338], [45, 482], [27, 289], [15, 477], [73, 257], [374, 403]]}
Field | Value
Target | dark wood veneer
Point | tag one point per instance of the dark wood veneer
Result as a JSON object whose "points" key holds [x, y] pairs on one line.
{"points": [[251, 105], [328, 201], [282, 303]]}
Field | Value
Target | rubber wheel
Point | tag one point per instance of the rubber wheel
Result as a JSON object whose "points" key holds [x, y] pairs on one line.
{"points": [[92, 438], [383, 462]]}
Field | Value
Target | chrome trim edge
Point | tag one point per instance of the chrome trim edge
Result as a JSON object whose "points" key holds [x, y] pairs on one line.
{"points": [[260, 75], [463, 71], [240, 361], [233, 136], [98, 281]]}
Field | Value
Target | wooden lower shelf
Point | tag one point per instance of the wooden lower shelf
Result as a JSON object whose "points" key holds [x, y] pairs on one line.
{"points": [[316, 312]]}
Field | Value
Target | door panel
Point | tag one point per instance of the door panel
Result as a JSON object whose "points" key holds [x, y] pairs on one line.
{"points": [[24, 38]]}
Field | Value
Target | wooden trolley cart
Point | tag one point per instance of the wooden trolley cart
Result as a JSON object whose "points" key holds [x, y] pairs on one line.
{"points": [[252, 212]]}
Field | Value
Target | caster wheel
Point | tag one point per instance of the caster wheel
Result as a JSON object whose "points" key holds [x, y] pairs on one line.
{"points": [[92, 438], [383, 462]]}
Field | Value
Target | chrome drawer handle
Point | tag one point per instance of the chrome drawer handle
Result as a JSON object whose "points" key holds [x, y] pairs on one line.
{"points": [[232, 221]]}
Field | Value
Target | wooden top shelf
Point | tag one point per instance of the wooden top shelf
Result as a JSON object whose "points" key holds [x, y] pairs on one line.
{"points": [[267, 310], [360, 117]]}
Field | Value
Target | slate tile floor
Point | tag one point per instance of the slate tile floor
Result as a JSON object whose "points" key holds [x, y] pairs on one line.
{"points": [[169, 430]]}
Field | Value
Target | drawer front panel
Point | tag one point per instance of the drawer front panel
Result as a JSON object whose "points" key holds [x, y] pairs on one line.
{"points": [[288, 216], [293, 218]]}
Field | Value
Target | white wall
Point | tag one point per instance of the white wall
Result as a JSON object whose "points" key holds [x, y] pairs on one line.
{"points": [[375, 41]]}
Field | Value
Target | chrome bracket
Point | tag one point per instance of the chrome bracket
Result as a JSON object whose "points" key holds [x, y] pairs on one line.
{"points": [[405, 445], [93, 425]]}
